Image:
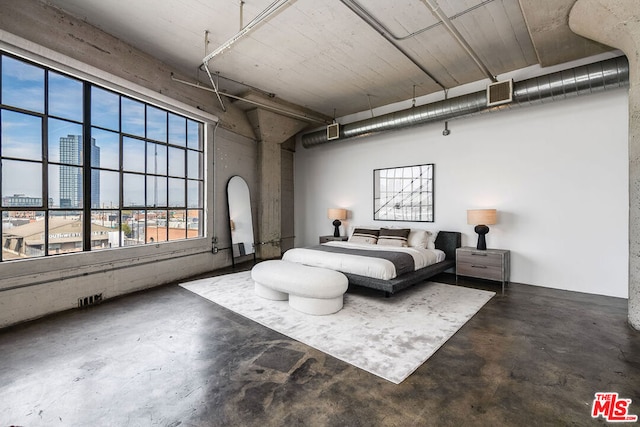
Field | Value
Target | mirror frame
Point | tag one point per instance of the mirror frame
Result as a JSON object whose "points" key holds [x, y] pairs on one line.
{"points": [[247, 239]]}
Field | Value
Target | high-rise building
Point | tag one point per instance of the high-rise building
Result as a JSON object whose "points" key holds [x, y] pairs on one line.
{"points": [[71, 153], [95, 174]]}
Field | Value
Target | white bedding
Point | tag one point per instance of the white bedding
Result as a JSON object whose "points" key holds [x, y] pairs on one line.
{"points": [[377, 268]]}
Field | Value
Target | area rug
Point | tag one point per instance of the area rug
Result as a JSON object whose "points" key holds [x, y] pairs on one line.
{"points": [[389, 337]]}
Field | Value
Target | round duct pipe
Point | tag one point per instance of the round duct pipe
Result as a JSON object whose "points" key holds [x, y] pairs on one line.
{"points": [[597, 77]]}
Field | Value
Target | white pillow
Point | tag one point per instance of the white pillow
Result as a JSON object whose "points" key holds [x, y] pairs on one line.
{"points": [[431, 244], [419, 238], [364, 235]]}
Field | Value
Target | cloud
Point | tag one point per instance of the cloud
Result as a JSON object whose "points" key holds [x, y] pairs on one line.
{"points": [[21, 136], [21, 71]]}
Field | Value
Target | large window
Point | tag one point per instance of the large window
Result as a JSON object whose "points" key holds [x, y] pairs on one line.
{"points": [[85, 168]]}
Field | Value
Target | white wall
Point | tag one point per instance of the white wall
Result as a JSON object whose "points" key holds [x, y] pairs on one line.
{"points": [[557, 174]]}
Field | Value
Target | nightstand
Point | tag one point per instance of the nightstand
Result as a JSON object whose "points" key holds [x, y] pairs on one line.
{"points": [[325, 239], [490, 264]]}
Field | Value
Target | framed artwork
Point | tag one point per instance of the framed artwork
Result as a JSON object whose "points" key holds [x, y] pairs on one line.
{"points": [[404, 193]]}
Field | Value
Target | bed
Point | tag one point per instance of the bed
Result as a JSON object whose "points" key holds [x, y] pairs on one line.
{"points": [[382, 267]]}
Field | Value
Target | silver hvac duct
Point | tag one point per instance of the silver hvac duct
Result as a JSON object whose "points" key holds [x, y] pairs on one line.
{"points": [[597, 77]]}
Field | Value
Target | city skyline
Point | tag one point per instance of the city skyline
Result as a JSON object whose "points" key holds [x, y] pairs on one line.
{"points": [[141, 180]]}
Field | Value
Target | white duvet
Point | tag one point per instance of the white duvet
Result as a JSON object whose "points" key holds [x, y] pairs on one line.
{"points": [[376, 268]]}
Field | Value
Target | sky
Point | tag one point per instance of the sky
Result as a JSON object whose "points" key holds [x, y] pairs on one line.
{"points": [[24, 153]]}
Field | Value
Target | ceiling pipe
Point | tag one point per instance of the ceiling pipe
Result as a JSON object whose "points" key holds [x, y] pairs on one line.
{"points": [[254, 88], [415, 33], [241, 14], [282, 111], [215, 87], [597, 77], [270, 10], [437, 11], [362, 14], [385, 32]]}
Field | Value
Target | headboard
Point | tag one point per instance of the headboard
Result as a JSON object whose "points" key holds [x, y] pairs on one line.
{"points": [[448, 242]]}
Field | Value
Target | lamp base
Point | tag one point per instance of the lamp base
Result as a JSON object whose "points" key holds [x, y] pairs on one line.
{"points": [[482, 242], [336, 230]]}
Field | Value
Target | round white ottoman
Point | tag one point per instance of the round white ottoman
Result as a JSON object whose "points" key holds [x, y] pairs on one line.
{"points": [[311, 290]]}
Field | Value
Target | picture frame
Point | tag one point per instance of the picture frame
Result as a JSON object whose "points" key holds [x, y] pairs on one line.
{"points": [[404, 193]]}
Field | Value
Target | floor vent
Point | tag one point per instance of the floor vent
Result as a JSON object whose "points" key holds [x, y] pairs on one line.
{"points": [[90, 300]]}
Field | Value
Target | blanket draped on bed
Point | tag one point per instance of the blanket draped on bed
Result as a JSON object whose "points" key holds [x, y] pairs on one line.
{"points": [[403, 262]]}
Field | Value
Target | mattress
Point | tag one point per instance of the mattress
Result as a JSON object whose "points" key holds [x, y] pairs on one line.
{"points": [[362, 264]]}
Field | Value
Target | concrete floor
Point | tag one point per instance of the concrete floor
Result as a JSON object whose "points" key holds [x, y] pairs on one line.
{"points": [[167, 357]]}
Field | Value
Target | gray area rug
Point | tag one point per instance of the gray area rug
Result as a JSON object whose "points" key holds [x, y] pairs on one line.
{"points": [[389, 337]]}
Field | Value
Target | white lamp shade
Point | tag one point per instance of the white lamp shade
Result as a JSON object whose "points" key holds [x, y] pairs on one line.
{"points": [[337, 214], [482, 216]]}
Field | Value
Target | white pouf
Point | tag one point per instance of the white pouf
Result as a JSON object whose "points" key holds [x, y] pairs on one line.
{"points": [[311, 290]]}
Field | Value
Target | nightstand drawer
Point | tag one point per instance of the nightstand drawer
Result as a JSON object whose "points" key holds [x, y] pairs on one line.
{"points": [[489, 264], [480, 271], [480, 257]]}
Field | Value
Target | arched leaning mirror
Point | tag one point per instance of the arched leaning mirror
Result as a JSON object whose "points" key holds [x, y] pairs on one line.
{"points": [[240, 219]]}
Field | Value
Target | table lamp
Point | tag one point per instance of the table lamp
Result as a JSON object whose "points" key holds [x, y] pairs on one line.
{"points": [[481, 218], [336, 215]]}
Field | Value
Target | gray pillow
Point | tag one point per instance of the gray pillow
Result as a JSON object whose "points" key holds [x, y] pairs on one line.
{"points": [[394, 237]]}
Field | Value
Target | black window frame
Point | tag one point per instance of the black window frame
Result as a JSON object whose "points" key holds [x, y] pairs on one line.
{"points": [[46, 207]]}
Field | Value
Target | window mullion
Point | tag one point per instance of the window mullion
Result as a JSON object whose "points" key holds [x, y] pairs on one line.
{"points": [[45, 164], [86, 167]]}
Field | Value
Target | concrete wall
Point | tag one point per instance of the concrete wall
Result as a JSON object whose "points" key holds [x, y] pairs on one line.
{"points": [[287, 206], [235, 155], [36, 287], [556, 173]]}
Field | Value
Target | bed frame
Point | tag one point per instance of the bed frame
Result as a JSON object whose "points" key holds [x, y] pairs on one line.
{"points": [[446, 241]]}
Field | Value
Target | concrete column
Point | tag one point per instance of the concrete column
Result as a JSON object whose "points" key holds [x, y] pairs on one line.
{"points": [[269, 219], [616, 23], [271, 130]]}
